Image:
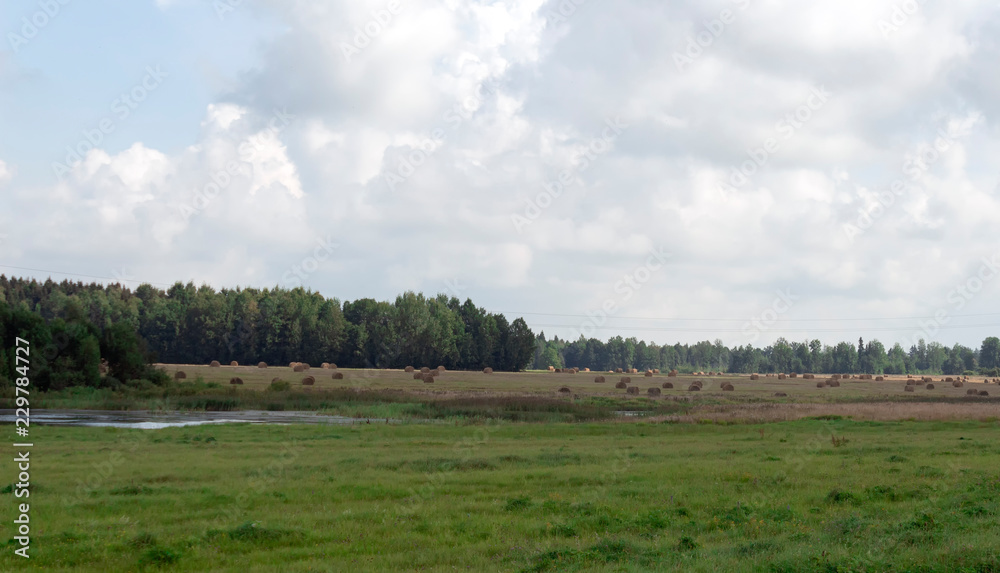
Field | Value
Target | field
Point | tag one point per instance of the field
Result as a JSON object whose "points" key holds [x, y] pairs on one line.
{"points": [[810, 495]]}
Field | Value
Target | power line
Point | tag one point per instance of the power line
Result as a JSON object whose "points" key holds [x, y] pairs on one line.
{"points": [[85, 276], [770, 329], [681, 319]]}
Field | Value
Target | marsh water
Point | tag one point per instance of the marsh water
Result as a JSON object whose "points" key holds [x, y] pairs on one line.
{"points": [[148, 420]]}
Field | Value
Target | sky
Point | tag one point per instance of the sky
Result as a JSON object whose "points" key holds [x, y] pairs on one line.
{"points": [[675, 171]]}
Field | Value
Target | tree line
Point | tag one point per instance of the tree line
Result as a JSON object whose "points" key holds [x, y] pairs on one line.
{"points": [[186, 324], [870, 357]]}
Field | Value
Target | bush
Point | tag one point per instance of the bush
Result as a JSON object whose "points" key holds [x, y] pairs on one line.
{"points": [[279, 386]]}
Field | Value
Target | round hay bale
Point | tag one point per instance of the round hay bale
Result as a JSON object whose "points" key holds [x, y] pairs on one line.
{"points": [[648, 374], [958, 384], [880, 379], [408, 369], [626, 379], [909, 388], [487, 370], [428, 379], [442, 369], [634, 371], [299, 368], [821, 384], [338, 376], [308, 381], [564, 390], [984, 393], [755, 377], [293, 364], [694, 388], [418, 375], [911, 382], [699, 383], [972, 392], [618, 371], [333, 366], [672, 374], [234, 363], [656, 370], [808, 376], [435, 372], [927, 379], [780, 395], [552, 368], [325, 366], [930, 386], [236, 381], [180, 375], [654, 391], [586, 369], [558, 370], [262, 365], [599, 379], [215, 364], [781, 376], [633, 390], [305, 365], [575, 370], [425, 369], [727, 387], [836, 377], [834, 384], [668, 384], [949, 380], [621, 385]]}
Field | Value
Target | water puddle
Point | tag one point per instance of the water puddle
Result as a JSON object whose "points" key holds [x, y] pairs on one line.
{"points": [[146, 420]]}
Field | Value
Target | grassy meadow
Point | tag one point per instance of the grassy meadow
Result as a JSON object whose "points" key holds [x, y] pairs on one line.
{"points": [[809, 495]]}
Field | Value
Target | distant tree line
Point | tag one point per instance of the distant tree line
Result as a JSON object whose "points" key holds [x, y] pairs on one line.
{"points": [[782, 356], [195, 325]]}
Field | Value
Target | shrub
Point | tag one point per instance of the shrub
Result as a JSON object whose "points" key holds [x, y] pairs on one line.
{"points": [[279, 386]]}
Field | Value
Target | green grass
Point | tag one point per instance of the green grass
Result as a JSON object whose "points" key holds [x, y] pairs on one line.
{"points": [[895, 496]]}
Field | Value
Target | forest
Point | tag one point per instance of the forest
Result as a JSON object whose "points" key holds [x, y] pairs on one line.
{"points": [[74, 326]]}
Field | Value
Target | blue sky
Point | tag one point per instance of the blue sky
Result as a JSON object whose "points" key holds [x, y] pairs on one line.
{"points": [[264, 142]]}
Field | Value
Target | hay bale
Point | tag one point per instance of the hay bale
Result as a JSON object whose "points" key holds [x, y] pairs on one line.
{"points": [[576, 370], [618, 370], [648, 374], [425, 369], [215, 364], [428, 379], [586, 369], [333, 366], [599, 379], [808, 376], [836, 377], [236, 381], [441, 369], [930, 386], [755, 377], [972, 392], [234, 363], [656, 370], [552, 368], [299, 368], [564, 390], [958, 384], [654, 391], [325, 366], [408, 369], [338, 376], [672, 374], [949, 380], [262, 365], [634, 371], [293, 364], [780, 395], [911, 382], [180, 375], [633, 390], [833, 384], [558, 370], [984, 393], [487, 370], [908, 388], [699, 383], [821, 384], [435, 372], [694, 388], [626, 379], [927, 379], [781, 376], [308, 381], [668, 384], [418, 375], [880, 379], [793, 375], [727, 387], [621, 385]]}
